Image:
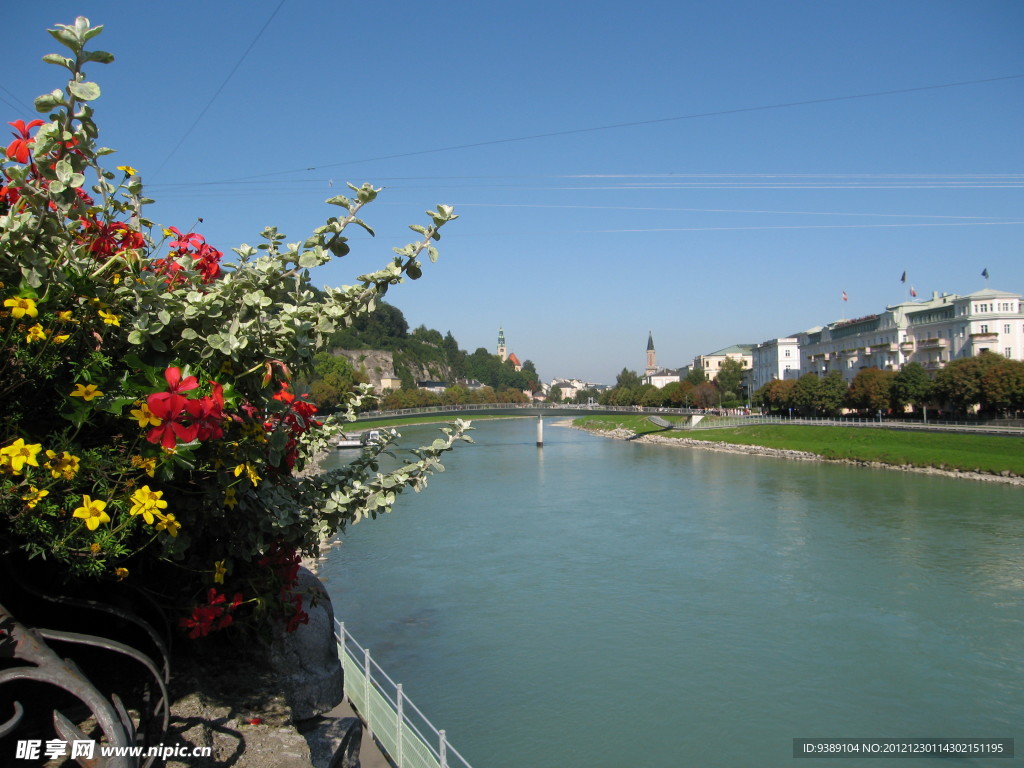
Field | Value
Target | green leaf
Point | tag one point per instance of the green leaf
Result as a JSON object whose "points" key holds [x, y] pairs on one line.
{"points": [[61, 61], [414, 272], [49, 101], [84, 91], [101, 57], [66, 38], [76, 180], [63, 170]]}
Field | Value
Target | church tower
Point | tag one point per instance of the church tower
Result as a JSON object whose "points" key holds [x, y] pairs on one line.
{"points": [[502, 352], [651, 365]]}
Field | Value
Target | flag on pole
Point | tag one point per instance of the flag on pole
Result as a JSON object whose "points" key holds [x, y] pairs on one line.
{"points": [[844, 296], [984, 273], [904, 278], [912, 291]]}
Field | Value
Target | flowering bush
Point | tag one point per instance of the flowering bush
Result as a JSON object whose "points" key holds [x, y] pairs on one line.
{"points": [[148, 431]]}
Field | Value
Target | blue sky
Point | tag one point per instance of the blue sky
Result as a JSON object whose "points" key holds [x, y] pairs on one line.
{"points": [[716, 173]]}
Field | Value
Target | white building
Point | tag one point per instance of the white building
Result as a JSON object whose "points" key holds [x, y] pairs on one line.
{"points": [[774, 359], [711, 363], [930, 332]]}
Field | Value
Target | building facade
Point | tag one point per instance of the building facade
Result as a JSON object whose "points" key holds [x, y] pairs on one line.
{"points": [[774, 359], [711, 363], [931, 332]]}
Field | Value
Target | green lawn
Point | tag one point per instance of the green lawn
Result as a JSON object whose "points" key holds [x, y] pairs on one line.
{"points": [[988, 453]]}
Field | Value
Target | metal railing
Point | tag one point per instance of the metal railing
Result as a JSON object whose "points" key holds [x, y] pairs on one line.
{"points": [[403, 732]]}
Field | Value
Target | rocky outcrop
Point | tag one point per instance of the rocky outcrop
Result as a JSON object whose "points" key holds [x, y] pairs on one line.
{"points": [[379, 363]]}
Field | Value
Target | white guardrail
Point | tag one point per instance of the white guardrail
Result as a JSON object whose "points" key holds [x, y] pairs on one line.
{"points": [[398, 725]]}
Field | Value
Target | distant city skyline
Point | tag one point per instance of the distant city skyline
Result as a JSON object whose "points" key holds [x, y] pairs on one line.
{"points": [[717, 174]]}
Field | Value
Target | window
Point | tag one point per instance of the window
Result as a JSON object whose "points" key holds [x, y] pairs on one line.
{"points": [[1007, 352], [787, 355], [1006, 328], [984, 328]]}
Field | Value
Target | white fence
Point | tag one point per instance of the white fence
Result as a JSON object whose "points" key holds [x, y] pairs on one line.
{"points": [[398, 725]]}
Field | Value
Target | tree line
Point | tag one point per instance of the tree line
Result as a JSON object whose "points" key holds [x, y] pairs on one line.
{"points": [[988, 385]]}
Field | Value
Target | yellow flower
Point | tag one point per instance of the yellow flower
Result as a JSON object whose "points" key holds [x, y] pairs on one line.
{"points": [[250, 473], [35, 333], [61, 338], [145, 416], [86, 391], [21, 307], [95, 548], [66, 465], [92, 512], [218, 572], [147, 465], [65, 316], [110, 318], [128, 170], [169, 524], [121, 573], [34, 496], [147, 503], [19, 454], [230, 498]]}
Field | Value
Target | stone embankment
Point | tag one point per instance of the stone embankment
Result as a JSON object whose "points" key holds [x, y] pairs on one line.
{"points": [[1005, 477]]}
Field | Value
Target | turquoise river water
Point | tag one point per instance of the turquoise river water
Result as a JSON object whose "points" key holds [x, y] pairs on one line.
{"points": [[602, 603]]}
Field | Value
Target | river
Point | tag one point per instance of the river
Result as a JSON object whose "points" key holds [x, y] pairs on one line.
{"points": [[604, 603]]}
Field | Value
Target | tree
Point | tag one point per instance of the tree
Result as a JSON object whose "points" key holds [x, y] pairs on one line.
{"points": [[832, 394], [730, 376], [333, 380], [555, 394], [911, 386], [627, 379], [705, 395], [871, 390], [696, 376], [989, 381], [805, 393], [777, 395]]}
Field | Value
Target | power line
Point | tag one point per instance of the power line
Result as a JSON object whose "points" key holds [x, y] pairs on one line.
{"points": [[692, 116], [217, 93]]}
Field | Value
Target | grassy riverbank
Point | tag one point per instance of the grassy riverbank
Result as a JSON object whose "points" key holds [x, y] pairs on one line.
{"points": [[991, 454]]}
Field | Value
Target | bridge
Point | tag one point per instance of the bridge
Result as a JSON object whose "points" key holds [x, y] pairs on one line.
{"points": [[690, 418], [685, 418]]}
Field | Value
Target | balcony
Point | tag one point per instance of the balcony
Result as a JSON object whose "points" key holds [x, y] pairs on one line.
{"points": [[933, 344]]}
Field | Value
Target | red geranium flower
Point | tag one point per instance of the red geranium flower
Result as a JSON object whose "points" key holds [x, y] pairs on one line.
{"points": [[176, 384], [18, 149], [171, 409], [105, 240]]}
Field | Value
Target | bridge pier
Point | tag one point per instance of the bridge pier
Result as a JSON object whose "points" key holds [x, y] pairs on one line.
{"points": [[540, 431]]}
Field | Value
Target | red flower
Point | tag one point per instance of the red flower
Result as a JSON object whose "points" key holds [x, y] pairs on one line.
{"points": [[176, 384], [18, 149], [105, 240], [214, 615], [299, 617], [171, 409], [208, 413]]}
